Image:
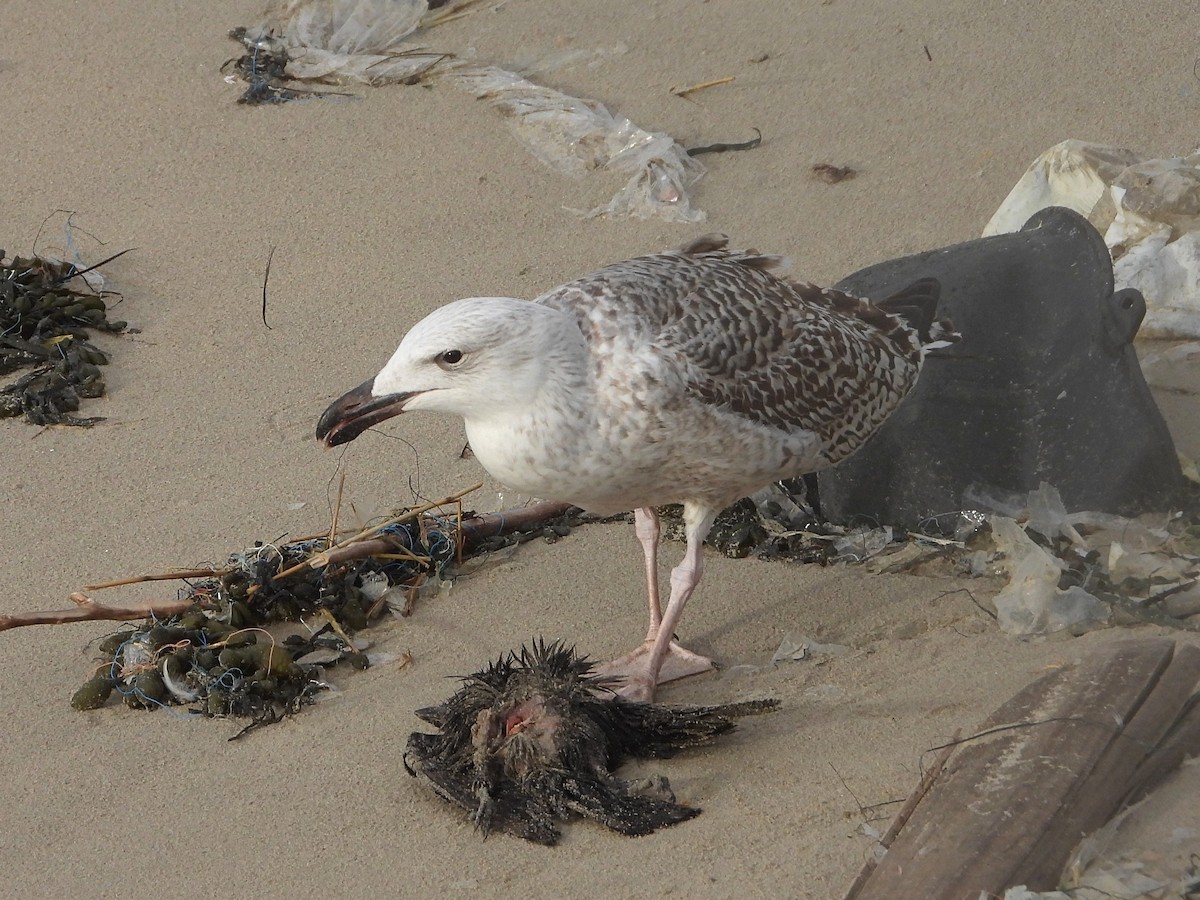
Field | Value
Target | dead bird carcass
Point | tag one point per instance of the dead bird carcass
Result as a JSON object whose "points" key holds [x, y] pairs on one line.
{"points": [[532, 740]]}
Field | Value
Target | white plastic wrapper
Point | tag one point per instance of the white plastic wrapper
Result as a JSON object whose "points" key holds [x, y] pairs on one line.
{"points": [[574, 136], [1148, 211], [1031, 603], [345, 40], [365, 41]]}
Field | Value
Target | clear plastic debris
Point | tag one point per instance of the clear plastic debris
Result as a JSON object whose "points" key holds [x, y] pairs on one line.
{"points": [[1031, 603], [861, 544], [1042, 509], [1148, 211], [1125, 565], [1048, 515], [795, 648], [366, 41], [343, 40], [574, 136]]}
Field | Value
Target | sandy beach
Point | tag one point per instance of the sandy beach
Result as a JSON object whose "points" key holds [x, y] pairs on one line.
{"points": [[384, 207]]}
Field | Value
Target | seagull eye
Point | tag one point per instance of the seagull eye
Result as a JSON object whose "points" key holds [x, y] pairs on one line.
{"points": [[449, 357]]}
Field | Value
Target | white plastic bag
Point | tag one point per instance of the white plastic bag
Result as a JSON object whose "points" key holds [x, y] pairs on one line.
{"points": [[367, 41], [1148, 211]]}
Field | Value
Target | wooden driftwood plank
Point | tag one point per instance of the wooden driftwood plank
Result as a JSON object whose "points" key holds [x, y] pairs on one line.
{"points": [[1052, 764], [1097, 796], [1182, 742]]}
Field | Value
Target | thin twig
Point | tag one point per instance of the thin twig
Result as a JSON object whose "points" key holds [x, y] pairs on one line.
{"points": [[906, 811], [862, 810], [182, 575], [931, 775], [337, 509], [703, 85], [266, 277], [102, 262], [410, 601], [336, 626], [86, 609], [321, 559]]}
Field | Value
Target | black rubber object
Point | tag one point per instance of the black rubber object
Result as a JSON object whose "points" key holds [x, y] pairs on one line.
{"points": [[1044, 386]]}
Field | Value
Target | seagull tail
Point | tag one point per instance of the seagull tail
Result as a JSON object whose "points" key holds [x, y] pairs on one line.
{"points": [[917, 306]]}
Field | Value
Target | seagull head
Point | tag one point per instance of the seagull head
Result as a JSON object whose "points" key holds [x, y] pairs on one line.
{"points": [[476, 358]]}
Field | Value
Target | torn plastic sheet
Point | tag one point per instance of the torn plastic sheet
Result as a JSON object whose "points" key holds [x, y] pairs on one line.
{"points": [[1137, 560], [364, 41], [1043, 510], [1148, 211], [573, 136], [796, 648], [1031, 603], [340, 40]]}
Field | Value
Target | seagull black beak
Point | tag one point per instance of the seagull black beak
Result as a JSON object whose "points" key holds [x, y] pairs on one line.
{"points": [[355, 411]]}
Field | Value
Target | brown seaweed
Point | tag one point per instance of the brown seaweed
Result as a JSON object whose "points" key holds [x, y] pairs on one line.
{"points": [[215, 651], [47, 311], [218, 658]]}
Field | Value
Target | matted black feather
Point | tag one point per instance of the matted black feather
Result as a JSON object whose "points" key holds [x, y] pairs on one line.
{"points": [[533, 739]]}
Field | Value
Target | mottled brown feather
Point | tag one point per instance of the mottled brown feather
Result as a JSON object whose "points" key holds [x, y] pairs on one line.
{"points": [[775, 353]]}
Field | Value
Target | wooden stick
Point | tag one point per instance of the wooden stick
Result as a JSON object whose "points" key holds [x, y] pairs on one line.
{"points": [[86, 609], [181, 575], [478, 529], [703, 85], [471, 532], [320, 559]]}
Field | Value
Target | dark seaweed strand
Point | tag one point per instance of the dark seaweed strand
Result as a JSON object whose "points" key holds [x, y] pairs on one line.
{"points": [[44, 325], [728, 148]]}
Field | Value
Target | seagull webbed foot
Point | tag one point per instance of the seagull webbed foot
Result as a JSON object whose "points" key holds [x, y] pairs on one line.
{"points": [[638, 679]]}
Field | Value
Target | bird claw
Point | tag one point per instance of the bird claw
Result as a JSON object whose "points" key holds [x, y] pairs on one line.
{"points": [[638, 681]]}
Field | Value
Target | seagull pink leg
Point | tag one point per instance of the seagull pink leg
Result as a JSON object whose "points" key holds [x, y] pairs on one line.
{"points": [[660, 658], [645, 524]]}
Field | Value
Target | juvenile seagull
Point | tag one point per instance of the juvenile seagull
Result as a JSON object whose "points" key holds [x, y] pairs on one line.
{"points": [[696, 376]]}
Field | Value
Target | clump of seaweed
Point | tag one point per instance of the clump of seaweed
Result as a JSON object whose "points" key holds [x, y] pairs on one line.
{"points": [[534, 738], [779, 522], [198, 661], [47, 309], [263, 68], [218, 648]]}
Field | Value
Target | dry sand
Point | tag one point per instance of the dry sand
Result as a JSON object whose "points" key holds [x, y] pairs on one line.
{"points": [[382, 209]]}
